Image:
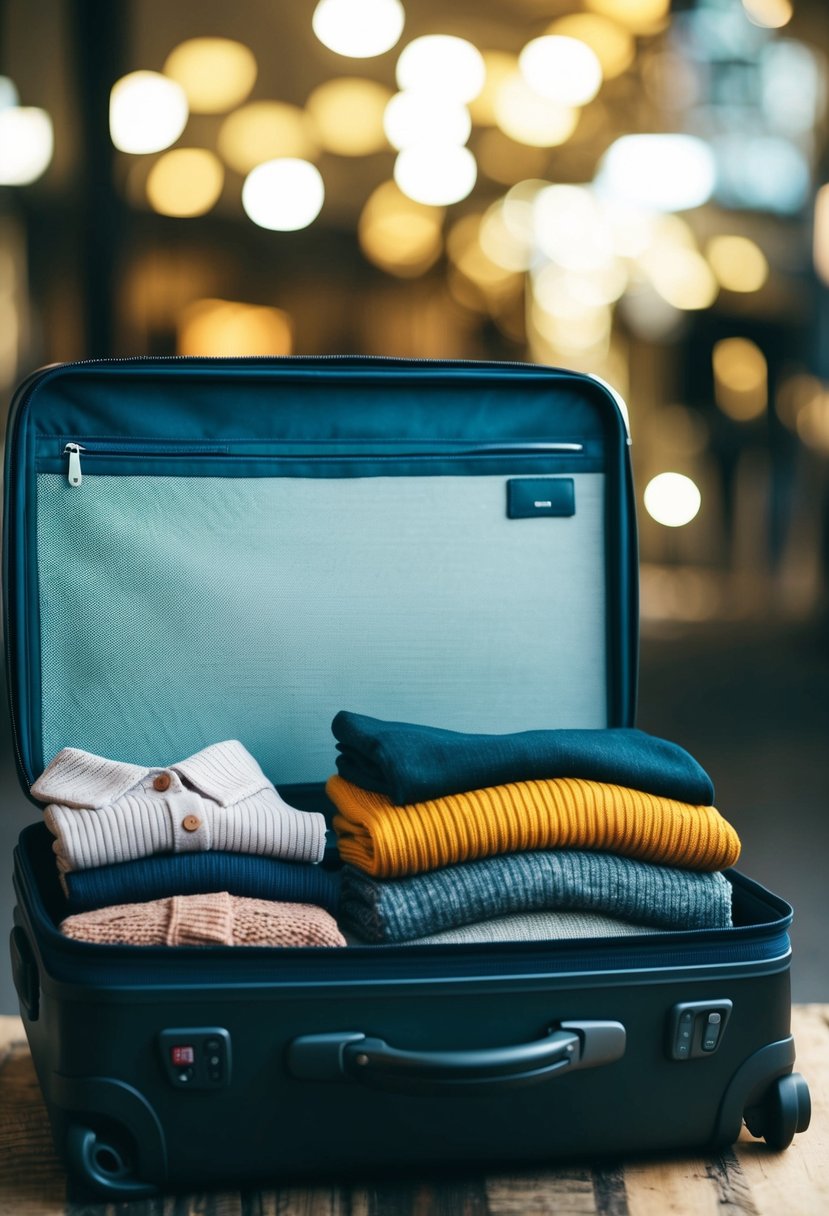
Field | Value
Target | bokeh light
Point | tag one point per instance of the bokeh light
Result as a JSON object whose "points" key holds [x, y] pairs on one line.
{"points": [[359, 29], [740, 378], [527, 117], [612, 44], [448, 65], [147, 112], [571, 228], [639, 16], [185, 182], [499, 65], [283, 195], [561, 69], [399, 235], [26, 144], [820, 234], [264, 130], [771, 14], [666, 172], [348, 115], [672, 499], [215, 73], [230, 328], [681, 276], [436, 174], [738, 263], [418, 116]]}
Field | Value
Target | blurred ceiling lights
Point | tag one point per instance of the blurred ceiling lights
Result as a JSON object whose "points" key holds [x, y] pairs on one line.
{"points": [[450, 66], [672, 499], [561, 69], [263, 130], [185, 182], [228, 327], [738, 263], [26, 144], [418, 116], [740, 378], [147, 112], [527, 117], [772, 14], [358, 29], [215, 73], [612, 44], [284, 194], [666, 172], [347, 114], [639, 16], [436, 174], [399, 235]]}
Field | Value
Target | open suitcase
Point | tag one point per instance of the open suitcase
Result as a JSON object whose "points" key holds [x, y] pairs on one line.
{"points": [[205, 549]]}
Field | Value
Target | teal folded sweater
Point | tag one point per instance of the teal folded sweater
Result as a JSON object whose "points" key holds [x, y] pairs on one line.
{"points": [[412, 763]]}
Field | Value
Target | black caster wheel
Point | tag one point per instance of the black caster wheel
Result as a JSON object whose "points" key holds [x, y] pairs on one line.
{"points": [[784, 1110]]}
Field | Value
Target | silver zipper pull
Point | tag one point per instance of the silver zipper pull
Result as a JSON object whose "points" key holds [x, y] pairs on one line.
{"points": [[74, 451]]}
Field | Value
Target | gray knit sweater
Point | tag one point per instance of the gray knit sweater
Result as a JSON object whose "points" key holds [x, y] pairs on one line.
{"points": [[397, 910]]}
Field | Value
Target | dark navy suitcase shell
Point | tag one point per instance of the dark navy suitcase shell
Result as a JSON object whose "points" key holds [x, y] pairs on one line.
{"points": [[205, 549]]}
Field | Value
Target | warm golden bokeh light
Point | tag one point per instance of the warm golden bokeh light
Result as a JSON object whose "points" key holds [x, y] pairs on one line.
{"points": [[262, 130], [531, 119], [417, 116], [359, 29], [672, 499], [794, 393], [436, 174], [681, 276], [348, 115], [571, 228], [502, 243], [771, 14], [820, 235], [813, 423], [283, 195], [399, 235], [738, 263], [564, 70], [441, 63], [26, 144], [499, 65], [215, 73], [740, 378], [640, 16], [185, 182], [612, 44], [227, 327]]}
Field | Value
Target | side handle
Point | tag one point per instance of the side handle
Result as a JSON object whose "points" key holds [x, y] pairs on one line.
{"points": [[357, 1057]]}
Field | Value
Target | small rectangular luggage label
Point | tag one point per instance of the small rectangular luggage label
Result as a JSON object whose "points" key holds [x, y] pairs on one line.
{"points": [[528, 497]]}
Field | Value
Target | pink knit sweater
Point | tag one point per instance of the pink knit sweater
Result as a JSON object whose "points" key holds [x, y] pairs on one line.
{"points": [[219, 919]]}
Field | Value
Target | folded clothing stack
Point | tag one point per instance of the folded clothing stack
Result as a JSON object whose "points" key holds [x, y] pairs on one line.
{"points": [[209, 826], [612, 822]]}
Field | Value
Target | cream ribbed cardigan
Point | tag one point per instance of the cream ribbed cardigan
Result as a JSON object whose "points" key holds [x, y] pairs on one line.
{"points": [[103, 811]]}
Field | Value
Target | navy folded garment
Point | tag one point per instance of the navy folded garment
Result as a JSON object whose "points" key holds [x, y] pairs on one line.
{"points": [[397, 910], [411, 763], [169, 874]]}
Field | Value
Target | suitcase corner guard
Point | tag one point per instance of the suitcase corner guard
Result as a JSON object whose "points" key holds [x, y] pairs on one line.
{"points": [[354, 1056]]}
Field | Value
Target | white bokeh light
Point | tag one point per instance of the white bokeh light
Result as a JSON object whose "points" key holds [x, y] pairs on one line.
{"points": [[561, 69], [147, 112], [358, 29], [283, 195], [666, 172], [672, 499], [436, 174], [26, 145], [416, 116], [440, 62]]}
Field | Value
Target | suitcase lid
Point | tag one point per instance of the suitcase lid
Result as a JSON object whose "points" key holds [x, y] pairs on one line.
{"points": [[201, 549]]}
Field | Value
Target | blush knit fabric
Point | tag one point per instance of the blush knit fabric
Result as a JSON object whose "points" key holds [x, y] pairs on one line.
{"points": [[411, 763], [218, 919], [103, 811], [199, 874], [396, 910], [389, 841]]}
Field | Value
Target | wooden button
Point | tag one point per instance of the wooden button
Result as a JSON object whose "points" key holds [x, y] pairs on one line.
{"points": [[162, 782], [191, 823]]}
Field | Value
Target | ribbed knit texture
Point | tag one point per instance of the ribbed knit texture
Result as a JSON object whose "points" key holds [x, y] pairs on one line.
{"points": [[219, 919], [218, 799], [394, 910], [387, 840], [412, 763], [201, 873], [535, 927]]}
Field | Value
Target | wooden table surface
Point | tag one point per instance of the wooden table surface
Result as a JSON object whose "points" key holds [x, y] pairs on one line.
{"points": [[747, 1180]]}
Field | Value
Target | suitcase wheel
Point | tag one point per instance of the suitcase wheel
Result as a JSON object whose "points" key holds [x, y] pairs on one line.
{"points": [[102, 1164], [784, 1110]]}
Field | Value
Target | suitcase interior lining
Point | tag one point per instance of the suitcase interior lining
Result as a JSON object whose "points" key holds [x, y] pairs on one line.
{"points": [[260, 606]]}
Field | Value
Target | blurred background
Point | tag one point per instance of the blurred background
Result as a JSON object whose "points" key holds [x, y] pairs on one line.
{"points": [[634, 188]]}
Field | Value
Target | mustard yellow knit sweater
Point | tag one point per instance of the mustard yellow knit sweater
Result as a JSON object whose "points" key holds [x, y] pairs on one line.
{"points": [[388, 841]]}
